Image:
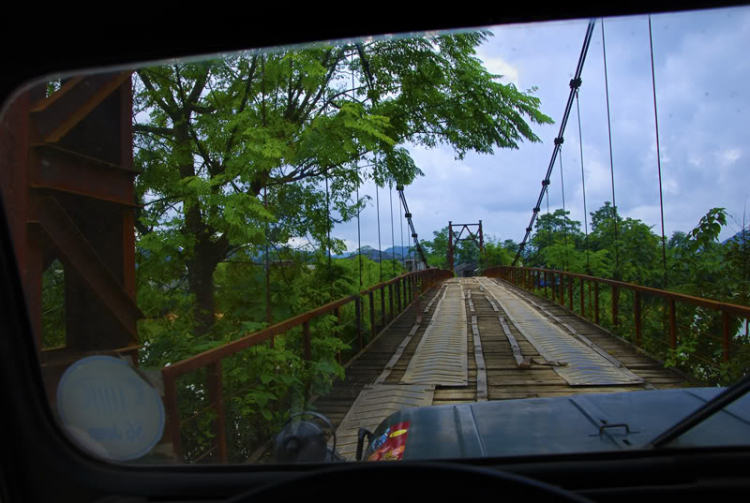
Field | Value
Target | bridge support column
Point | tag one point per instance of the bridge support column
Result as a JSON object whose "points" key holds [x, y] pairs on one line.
{"points": [[672, 325], [562, 290], [596, 303], [358, 316], [373, 330], [637, 315], [615, 294], [583, 295]]}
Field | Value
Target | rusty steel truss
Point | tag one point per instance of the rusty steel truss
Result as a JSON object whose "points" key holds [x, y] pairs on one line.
{"points": [[454, 238], [66, 176]]}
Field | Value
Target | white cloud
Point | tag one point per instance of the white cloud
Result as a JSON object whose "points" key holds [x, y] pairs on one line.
{"points": [[701, 135], [499, 66], [730, 156]]}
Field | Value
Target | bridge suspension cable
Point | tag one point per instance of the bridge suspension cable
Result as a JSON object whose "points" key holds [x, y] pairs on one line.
{"points": [[328, 243], [658, 152], [380, 246], [393, 235], [403, 257], [565, 223], [359, 238], [407, 214], [575, 83], [583, 185], [611, 157]]}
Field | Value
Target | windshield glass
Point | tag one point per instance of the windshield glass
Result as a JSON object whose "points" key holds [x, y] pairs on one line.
{"points": [[301, 254]]}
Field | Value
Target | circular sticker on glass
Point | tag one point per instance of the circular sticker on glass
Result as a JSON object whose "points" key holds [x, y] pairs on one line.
{"points": [[109, 409]]}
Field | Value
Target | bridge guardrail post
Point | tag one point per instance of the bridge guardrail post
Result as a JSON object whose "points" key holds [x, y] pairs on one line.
{"points": [[382, 305], [583, 297], [337, 314], [672, 324], [615, 294], [358, 316], [173, 414], [306, 348], [570, 292], [553, 287], [562, 289], [398, 295], [390, 302], [216, 397], [725, 327], [371, 296], [596, 302], [637, 316]]}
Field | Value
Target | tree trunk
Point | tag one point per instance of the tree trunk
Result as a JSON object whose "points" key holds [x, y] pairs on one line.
{"points": [[201, 282]]}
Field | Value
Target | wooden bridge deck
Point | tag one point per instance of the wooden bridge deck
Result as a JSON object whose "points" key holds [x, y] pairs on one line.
{"points": [[502, 378]]}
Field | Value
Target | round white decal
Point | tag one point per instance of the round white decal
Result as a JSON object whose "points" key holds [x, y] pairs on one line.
{"points": [[109, 409]]}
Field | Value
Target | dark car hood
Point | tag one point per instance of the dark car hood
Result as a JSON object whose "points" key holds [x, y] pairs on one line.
{"points": [[580, 423]]}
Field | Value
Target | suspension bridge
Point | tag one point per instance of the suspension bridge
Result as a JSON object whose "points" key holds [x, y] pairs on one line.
{"points": [[422, 338]]}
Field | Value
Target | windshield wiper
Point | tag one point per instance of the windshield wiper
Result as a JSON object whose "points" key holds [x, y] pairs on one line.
{"points": [[708, 409]]}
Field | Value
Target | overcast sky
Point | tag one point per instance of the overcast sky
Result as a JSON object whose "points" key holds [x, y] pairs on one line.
{"points": [[702, 76]]}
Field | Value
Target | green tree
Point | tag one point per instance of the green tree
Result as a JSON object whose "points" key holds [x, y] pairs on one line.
{"points": [[214, 137], [496, 253], [436, 251], [556, 242]]}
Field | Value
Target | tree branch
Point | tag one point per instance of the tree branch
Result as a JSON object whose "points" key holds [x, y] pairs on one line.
{"points": [[169, 110], [160, 131], [243, 104]]}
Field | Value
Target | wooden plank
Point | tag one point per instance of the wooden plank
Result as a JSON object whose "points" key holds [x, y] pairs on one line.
{"points": [[373, 405], [479, 359], [441, 355]]}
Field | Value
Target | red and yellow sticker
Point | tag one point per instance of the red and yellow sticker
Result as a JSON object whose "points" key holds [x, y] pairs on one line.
{"points": [[392, 443]]}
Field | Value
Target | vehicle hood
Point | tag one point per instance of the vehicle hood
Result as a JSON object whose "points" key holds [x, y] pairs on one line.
{"points": [[569, 424]]}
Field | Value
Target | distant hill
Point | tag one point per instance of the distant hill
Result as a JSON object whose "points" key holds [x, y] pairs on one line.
{"points": [[738, 237], [399, 250], [374, 254]]}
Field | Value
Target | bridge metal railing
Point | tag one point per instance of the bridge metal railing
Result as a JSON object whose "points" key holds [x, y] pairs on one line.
{"points": [[683, 319], [375, 306]]}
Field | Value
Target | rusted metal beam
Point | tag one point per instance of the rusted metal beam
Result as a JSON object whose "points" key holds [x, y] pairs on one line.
{"points": [[54, 118], [450, 245], [173, 413], [59, 169], [76, 252]]}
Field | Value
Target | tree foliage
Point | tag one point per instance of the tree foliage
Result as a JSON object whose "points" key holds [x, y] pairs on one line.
{"points": [[696, 264], [235, 151]]}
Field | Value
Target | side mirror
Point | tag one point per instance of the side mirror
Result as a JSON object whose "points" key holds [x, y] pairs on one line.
{"points": [[362, 434]]}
